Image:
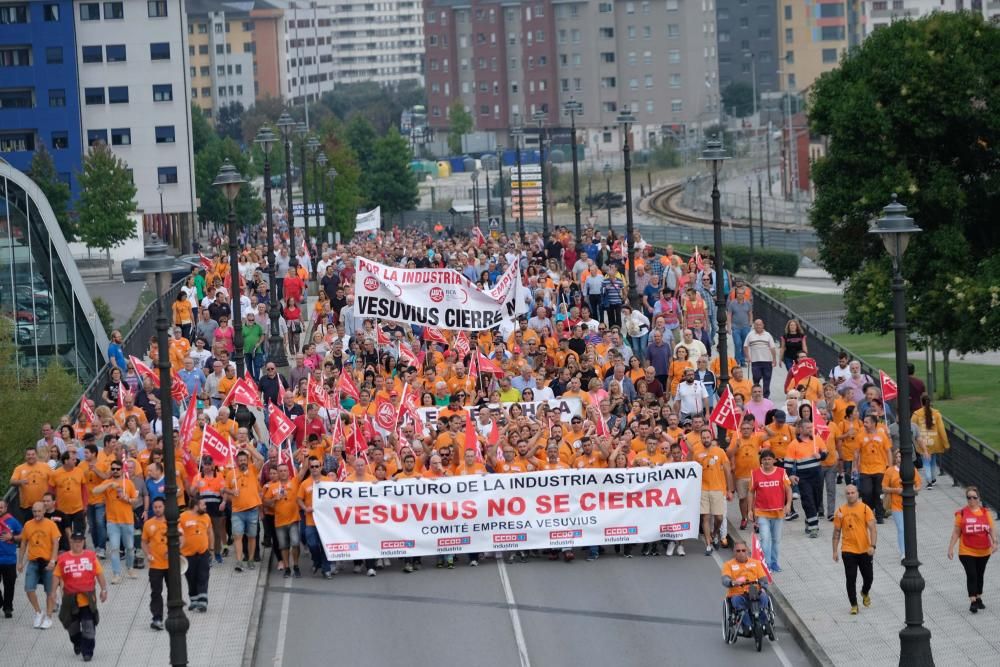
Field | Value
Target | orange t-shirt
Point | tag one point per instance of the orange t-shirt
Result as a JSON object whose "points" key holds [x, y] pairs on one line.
{"points": [[36, 482], [751, 570], [69, 486], [91, 479], [892, 480], [195, 528], [873, 453], [713, 461], [853, 522], [154, 533], [305, 494], [246, 489], [285, 495], [39, 536], [745, 454], [118, 501]]}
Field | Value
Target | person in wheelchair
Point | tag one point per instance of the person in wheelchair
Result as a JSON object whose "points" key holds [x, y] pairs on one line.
{"points": [[737, 575]]}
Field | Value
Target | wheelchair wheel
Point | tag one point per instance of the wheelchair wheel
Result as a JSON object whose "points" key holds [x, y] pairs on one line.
{"points": [[729, 629], [769, 628], [758, 634]]}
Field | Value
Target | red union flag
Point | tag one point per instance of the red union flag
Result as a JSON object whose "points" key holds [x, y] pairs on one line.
{"points": [[462, 345], [487, 365], [178, 390], [189, 421], [819, 424], [601, 426], [216, 445], [205, 262], [243, 393], [434, 335], [346, 386], [381, 337], [758, 555], [279, 426], [889, 388], [724, 413], [407, 355], [801, 369], [86, 410], [385, 415], [144, 371], [316, 393], [477, 236]]}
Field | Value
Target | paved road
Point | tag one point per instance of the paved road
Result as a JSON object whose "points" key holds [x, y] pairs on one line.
{"points": [[642, 611], [121, 297]]}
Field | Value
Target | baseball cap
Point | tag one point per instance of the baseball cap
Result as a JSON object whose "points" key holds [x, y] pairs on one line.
{"points": [[78, 535]]}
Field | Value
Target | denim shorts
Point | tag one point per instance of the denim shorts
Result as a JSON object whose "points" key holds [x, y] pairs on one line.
{"points": [[245, 523], [35, 574], [288, 536]]}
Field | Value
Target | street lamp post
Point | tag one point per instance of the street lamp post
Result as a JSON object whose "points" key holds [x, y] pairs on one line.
{"points": [[517, 132], [158, 265], [572, 108], [895, 229], [475, 197], [303, 131], [331, 173], [626, 119], [539, 117], [489, 200], [503, 202], [230, 182], [590, 192], [275, 345], [607, 192], [287, 126], [319, 185], [715, 155], [750, 218]]}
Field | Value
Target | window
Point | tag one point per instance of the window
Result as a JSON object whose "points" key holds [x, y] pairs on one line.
{"points": [[608, 82], [21, 98], [121, 136], [17, 56], [790, 57], [609, 107], [647, 57], [829, 55], [202, 50], [218, 28], [117, 94], [50, 13], [630, 8], [632, 58], [724, 36], [763, 33], [649, 80], [207, 92], [631, 32], [788, 12], [633, 84], [673, 30], [10, 14], [604, 8], [157, 8], [93, 54], [115, 53], [564, 85], [831, 33], [676, 106], [95, 136], [93, 96], [673, 5], [90, 11], [220, 49], [60, 140], [647, 32], [166, 175], [649, 106], [606, 33], [114, 10], [163, 92], [829, 11], [674, 56], [164, 134], [53, 55], [248, 26], [744, 22], [57, 97], [675, 80], [159, 51], [789, 36], [608, 57]]}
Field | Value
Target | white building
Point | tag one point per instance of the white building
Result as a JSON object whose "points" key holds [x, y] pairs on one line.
{"points": [[880, 13], [380, 41], [134, 95], [231, 68], [308, 49]]}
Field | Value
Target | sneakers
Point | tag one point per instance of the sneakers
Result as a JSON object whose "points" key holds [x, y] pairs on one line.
{"points": [[252, 565], [192, 606], [708, 550], [238, 568], [774, 568], [38, 620], [451, 565], [357, 569], [408, 568], [115, 580], [930, 484], [286, 574], [671, 546], [974, 608], [379, 564], [371, 572], [156, 624], [854, 610], [131, 574], [101, 554], [591, 557], [795, 495], [296, 572], [328, 575], [218, 558], [813, 533], [979, 603], [716, 543], [866, 600], [473, 563], [46, 623], [792, 516], [568, 556], [680, 550]]}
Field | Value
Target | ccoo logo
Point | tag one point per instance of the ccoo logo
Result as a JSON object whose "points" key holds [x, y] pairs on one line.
{"points": [[436, 294]]}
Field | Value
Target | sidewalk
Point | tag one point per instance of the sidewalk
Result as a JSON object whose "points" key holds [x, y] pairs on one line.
{"points": [[218, 637], [814, 586]]}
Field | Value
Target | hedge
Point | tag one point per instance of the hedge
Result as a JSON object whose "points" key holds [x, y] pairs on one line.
{"points": [[766, 262]]}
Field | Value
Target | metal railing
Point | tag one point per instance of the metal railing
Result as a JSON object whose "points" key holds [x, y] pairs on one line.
{"points": [[969, 460]]}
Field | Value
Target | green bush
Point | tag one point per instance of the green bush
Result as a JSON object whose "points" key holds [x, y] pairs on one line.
{"points": [[104, 314], [765, 262]]}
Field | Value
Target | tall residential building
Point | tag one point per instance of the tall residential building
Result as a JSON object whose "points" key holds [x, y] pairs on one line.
{"points": [[813, 36], [134, 93], [381, 41], [748, 43], [235, 50], [880, 13], [39, 89], [308, 61], [505, 61]]}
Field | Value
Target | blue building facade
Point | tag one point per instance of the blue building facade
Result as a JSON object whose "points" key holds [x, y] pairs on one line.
{"points": [[39, 88]]}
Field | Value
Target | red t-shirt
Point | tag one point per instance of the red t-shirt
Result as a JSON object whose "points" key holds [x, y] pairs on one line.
{"points": [[293, 286]]}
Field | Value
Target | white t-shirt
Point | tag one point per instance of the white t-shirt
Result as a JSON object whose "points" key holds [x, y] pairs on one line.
{"points": [[760, 346], [692, 397]]}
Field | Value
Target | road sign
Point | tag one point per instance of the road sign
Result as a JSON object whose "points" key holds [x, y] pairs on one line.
{"points": [[494, 222]]}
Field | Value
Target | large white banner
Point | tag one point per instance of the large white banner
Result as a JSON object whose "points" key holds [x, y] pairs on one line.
{"points": [[431, 297], [370, 221], [483, 513], [566, 408]]}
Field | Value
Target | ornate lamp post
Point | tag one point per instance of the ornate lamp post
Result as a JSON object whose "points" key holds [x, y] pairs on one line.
{"points": [[275, 345], [895, 229], [331, 173], [287, 126], [626, 119], [230, 182], [319, 190], [517, 132], [303, 132], [475, 197], [715, 155], [539, 117], [572, 108], [157, 264], [607, 192]]}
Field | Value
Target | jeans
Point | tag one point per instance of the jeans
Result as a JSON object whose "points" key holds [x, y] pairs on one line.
{"points": [[930, 462], [852, 563], [315, 545], [120, 535], [830, 484], [254, 362], [740, 335], [871, 490], [639, 345], [897, 518], [769, 532], [614, 311], [595, 307], [98, 531], [740, 603], [761, 371]]}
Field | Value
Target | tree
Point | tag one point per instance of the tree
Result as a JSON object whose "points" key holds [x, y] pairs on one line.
{"points": [[914, 110], [381, 105], [229, 121], [344, 196], [265, 111], [201, 130], [43, 173], [107, 201], [460, 123], [393, 185], [214, 207], [361, 137], [737, 98]]}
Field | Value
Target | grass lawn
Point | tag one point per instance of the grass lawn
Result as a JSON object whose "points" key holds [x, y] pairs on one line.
{"points": [[805, 302], [975, 387]]}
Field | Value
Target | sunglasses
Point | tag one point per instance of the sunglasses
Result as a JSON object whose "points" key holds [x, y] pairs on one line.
{"points": [[972, 497], [315, 467], [116, 470], [740, 551]]}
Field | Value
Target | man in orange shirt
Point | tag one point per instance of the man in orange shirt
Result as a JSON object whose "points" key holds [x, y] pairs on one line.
{"points": [[154, 545], [716, 491], [196, 546], [32, 481], [737, 575], [856, 522], [69, 484], [95, 472], [282, 497], [744, 456], [118, 494], [38, 551], [243, 492], [311, 473]]}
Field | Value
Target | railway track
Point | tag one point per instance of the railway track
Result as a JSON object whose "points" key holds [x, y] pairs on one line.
{"points": [[664, 204]]}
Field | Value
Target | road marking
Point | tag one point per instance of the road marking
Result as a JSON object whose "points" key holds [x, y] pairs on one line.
{"points": [[279, 645], [515, 618], [778, 651]]}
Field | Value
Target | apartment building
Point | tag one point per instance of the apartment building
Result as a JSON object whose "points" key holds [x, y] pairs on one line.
{"points": [[748, 43], [504, 62], [134, 95], [378, 41], [39, 89]]}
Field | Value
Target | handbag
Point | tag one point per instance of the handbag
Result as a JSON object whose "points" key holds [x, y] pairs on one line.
{"points": [[918, 462]]}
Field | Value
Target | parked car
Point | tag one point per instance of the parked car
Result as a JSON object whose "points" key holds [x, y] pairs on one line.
{"points": [[129, 267]]}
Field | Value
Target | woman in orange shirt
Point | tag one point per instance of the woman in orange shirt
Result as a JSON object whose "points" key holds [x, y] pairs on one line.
{"points": [[976, 535], [680, 364], [183, 314]]}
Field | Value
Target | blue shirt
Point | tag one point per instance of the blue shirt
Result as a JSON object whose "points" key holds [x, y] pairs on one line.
{"points": [[117, 356], [193, 379], [8, 550], [156, 489]]}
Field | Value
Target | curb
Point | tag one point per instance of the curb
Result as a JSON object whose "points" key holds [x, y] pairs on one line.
{"points": [[791, 619], [253, 627]]}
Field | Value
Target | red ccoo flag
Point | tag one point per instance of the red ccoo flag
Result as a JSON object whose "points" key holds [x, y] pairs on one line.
{"points": [[216, 445], [86, 410], [801, 369], [122, 389], [434, 335], [243, 393], [471, 438], [178, 390], [143, 370], [889, 388], [724, 413], [462, 345], [385, 415], [205, 262], [477, 236], [487, 365], [381, 337], [819, 425], [279, 426], [346, 386], [758, 555]]}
